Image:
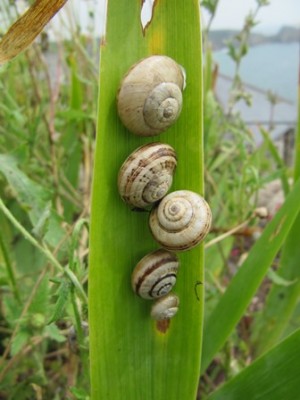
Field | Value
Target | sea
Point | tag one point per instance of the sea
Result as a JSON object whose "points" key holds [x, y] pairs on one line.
{"points": [[271, 67]]}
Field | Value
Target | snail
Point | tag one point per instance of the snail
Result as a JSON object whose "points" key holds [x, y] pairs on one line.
{"points": [[165, 307], [146, 175], [180, 221], [155, 274], [149, 99]]}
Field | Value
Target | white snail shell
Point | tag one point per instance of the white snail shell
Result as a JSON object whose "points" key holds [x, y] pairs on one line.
{"points": [[155, 274], [147, 174], [180, 221], [165, 307], [150, 96]]}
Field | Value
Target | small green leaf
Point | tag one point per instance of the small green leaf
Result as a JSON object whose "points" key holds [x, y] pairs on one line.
{"points": [[40, 301], [80, 394], [76, 235], [53, 333], [12, 310], [73, 115], [244, 49], [61, 302], [19, 341], [42, 224], [33, 198], [279, 280], [232, 52]]}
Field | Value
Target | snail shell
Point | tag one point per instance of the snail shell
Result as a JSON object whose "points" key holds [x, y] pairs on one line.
{"points": [[150, 96], [180, 221], [155, 275], [165, 307], [147, 174]]}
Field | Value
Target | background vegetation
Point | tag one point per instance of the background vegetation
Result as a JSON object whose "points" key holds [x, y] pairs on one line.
{"points": [[47, 138]]}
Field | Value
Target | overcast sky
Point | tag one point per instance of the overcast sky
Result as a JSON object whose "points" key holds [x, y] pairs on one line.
{"points": [[231, 13]]}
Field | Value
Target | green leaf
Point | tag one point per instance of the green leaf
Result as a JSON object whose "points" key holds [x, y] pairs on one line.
{"points": [[278, 160], [33, 198], [274, 376], [80, 394], [124, 341], [12, 310], [245, 283], [232, 52], [279, 280], [74, 245], [42, 224], [19, 341], [40, 301], [53, 333], [63, 293]]}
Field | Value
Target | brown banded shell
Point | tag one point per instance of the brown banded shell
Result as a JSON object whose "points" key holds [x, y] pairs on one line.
{"points": [[155, 274], [180, 221], [147, 174], [149, 99], [165, 307]]}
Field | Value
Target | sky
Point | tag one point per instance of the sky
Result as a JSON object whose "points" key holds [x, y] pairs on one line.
{"points": [[231, 13]]}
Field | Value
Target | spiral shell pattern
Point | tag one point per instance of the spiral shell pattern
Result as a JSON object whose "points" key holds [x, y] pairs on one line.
{"points": [[180, 221], [147, 174], [149, 99], [155, 275], [165, 307]]}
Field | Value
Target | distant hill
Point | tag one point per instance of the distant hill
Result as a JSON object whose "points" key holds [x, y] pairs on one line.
{"points": [[287, 34]]}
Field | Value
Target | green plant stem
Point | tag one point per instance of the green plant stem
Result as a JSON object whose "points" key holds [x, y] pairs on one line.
{"points": [[227, 234], [10, 270], [44, 250], [77, 318], [80, 333]]}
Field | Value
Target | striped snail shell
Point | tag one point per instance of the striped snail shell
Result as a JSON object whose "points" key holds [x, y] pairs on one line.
{"points": [[147, 174], [149, 99], [180, 221], [155, 274], [165, 307]]}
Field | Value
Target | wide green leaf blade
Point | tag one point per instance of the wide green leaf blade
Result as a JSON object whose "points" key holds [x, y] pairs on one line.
{"points": [[274, 376], [130, 357], [245, 283]]}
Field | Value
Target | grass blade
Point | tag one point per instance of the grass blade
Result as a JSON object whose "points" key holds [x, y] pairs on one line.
{"points": [[245, 283], [22, 33], [277, 159], [130, 358], [274, 376], [271, 323]]}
